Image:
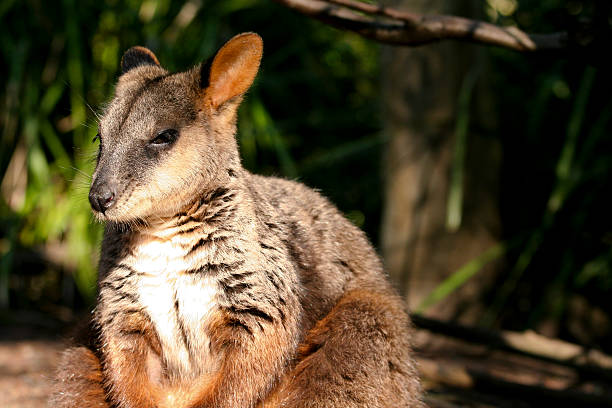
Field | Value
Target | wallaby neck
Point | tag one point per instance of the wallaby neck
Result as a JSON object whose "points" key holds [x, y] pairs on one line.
{"points": [[224, 206]]}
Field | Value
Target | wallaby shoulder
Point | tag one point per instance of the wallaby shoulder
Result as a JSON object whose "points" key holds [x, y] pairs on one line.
{"points": [[332, 254], [312, 217]]}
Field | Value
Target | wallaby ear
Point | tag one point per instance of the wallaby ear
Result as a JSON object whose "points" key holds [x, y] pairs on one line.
{"points": [[233, 69], [137, 56]]}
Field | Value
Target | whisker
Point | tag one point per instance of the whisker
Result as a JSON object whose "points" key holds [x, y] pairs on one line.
{"points": [[96, 114], [81, 172]]}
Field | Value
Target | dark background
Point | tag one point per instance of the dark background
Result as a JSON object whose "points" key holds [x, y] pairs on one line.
{"points": [[317, 113]]}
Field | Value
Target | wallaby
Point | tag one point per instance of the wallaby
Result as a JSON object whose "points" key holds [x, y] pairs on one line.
{"points": [[219, 288]]}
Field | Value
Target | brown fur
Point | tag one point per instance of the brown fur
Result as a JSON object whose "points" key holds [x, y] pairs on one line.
{"points": [[219, 288]]}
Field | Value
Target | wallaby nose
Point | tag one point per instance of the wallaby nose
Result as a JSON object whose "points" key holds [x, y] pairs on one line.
{"points": [[101, 198]]}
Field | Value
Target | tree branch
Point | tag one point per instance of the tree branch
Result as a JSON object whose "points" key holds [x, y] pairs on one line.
{"points": [[396, 27]]}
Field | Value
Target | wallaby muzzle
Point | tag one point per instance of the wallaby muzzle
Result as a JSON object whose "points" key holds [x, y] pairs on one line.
{"points": [[101, 196]]}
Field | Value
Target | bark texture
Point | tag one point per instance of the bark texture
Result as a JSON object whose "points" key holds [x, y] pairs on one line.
{"points": [[420, 92]]}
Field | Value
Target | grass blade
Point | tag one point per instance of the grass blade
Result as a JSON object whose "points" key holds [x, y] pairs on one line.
{"points": [[462, 275]]}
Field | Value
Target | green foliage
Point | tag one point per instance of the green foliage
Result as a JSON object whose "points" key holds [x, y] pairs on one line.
{"points": [[556, 178], [461, 276], [554, 119]]}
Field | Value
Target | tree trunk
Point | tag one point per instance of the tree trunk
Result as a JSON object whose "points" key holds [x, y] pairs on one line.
{"points": [[420, 90]]}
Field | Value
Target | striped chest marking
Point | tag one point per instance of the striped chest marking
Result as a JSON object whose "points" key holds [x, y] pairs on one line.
{"points": [[177, 303]]}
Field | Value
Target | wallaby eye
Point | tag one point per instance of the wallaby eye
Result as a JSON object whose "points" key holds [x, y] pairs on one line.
{"points": [[165, 137]]}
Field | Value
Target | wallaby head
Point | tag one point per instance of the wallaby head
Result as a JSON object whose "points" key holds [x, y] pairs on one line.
{"points": [[166, 138]]}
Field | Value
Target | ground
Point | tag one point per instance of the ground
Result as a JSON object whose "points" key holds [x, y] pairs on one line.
{"points": [[455, 372], [25, 369]]}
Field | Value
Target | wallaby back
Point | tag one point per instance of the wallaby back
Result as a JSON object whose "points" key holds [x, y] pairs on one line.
{"points": [[219, 288]]}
